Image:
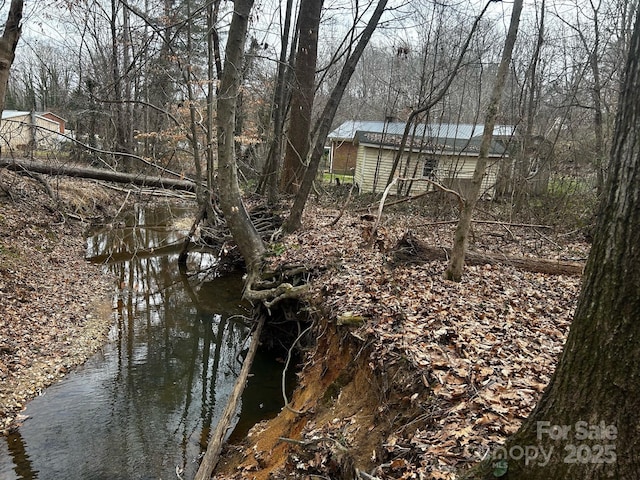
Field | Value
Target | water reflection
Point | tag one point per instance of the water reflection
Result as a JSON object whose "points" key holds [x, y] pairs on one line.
{"points": [[146, 404]]}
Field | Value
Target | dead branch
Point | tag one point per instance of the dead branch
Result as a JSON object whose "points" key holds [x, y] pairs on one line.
{"points": [[412, 250], [287, 405], [413, 179], [182, 258], [344, 206], [487, 222], [214, 448]]}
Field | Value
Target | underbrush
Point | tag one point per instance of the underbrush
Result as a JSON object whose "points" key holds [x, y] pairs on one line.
{"points": [[568, 206]]}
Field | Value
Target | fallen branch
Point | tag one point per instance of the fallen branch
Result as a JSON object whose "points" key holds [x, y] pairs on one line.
{"points": [[346, 203], [412, 250], [287, 405], [214, 448], [97, 174], [182, 258], [413, 179], [487, 222]]}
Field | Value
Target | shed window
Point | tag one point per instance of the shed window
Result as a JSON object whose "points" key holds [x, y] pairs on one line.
{"points": [[429, 168]]}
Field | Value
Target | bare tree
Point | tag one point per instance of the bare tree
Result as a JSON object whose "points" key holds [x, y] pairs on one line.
{"points": [[434, 96], [460, 241], [269, 179], [294, 221], [237, 219], [303, 92]]}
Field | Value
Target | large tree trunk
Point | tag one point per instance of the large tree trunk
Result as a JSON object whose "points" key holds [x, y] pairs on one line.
{"points": [[244, 233], [461, 236], [8, 44], [303, 95], [295, 216], [269, 179], [596, 386]]}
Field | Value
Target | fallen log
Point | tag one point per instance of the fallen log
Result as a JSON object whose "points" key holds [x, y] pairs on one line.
{"points": [[21, 165], [413, 250], [211, 457]]}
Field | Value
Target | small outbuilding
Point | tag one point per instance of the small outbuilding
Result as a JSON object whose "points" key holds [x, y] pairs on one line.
{"points": [[21, 131], [442, 153]]}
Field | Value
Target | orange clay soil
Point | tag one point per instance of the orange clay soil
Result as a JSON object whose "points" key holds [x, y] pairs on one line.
{"points": [[344, 413]]}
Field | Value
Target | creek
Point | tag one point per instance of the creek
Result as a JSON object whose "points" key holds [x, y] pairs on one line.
{"points": [[144, 406]]}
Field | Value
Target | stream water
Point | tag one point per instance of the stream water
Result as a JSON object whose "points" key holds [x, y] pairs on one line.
{"points": [[143, 407]]}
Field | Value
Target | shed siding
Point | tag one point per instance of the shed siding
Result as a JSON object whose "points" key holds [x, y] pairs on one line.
{"points": [[16, 132], [453, 172]]}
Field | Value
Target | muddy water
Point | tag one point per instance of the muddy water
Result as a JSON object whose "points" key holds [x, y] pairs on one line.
{"points": [[143, 408]]}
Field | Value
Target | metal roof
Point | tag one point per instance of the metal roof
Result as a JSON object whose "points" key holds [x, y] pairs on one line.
{"points": [[436, 137], [13, 113], [458, 131]]}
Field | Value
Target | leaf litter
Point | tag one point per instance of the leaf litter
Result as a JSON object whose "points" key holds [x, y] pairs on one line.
{"points": [[478, 353], [54, 306]]}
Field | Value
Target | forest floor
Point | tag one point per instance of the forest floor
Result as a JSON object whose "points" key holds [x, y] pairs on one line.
{"points": [[410, 375], [55, 308]]}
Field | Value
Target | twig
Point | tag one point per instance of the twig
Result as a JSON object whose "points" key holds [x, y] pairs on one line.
{"points": [[346, 203], [365, 476], [380, 208], [123, 204], [284, 372]]}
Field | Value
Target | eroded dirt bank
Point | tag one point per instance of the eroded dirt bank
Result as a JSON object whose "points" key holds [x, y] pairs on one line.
{"points": [[412, 376], [55, 308]]}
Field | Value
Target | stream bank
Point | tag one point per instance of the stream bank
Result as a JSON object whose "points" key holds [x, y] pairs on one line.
{"points": [[408, 375], [55, 308]]}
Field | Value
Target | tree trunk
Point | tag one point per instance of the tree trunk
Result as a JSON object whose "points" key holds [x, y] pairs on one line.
{"points": [[461, 236], [8, 44], [294, 220], [97, 174], [596, 386], [244, 233], [303, 95], [269, 179]]}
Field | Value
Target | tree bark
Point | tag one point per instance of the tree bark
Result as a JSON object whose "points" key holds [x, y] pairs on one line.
{"points": [[303, 94], [597, 380], [243, 232], [294, 220], [8, 44], [98, 174], [461, 240], [269, 179]]}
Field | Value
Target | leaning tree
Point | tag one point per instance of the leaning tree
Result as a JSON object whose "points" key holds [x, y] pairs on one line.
{"points": [[586, 424]]}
